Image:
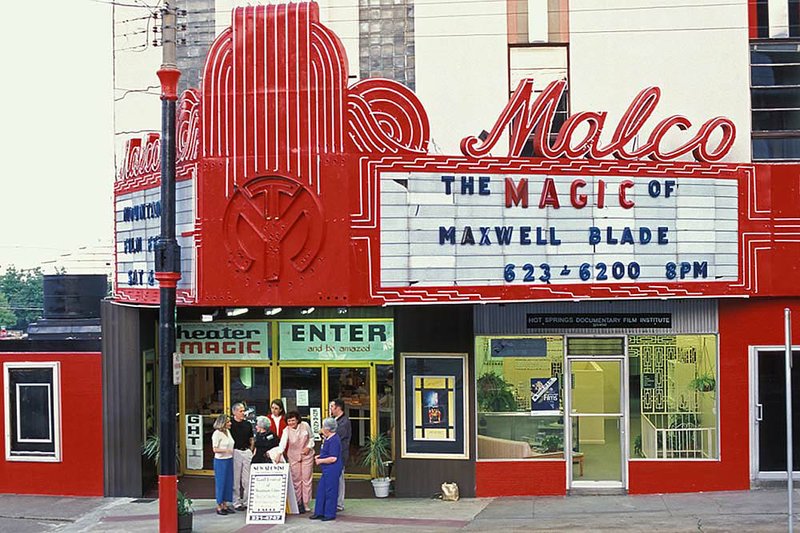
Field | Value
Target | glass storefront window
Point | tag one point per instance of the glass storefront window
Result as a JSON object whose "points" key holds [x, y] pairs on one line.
{"points": [[520, 397], [673, 399], [250, 385], [385, 381], [301, 390], [203, 395], [352, 386]]}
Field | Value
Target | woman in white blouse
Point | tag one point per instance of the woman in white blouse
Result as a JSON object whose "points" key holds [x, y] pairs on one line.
{"points": [[298, 443], [222, 444]]}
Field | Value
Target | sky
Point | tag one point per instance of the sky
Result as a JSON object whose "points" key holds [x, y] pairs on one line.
{"points": [[57, 149]]}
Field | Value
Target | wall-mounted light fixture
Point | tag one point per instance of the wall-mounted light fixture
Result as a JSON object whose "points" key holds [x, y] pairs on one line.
{"points": [[307, 311], [271, 311], [236, 311], [209, 317], [342, 310]]}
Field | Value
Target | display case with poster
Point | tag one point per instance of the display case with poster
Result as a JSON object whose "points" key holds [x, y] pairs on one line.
{"points": [[434, 406]]}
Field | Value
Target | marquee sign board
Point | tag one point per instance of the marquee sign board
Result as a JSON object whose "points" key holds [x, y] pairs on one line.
{"points": [[138, 223], [555, 229], [313, 192]]}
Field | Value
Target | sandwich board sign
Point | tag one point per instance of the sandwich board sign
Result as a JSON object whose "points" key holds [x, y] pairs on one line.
{"points": [[270, 490]]}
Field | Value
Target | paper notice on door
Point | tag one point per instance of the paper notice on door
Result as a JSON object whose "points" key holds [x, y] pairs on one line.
{"points": [[194, 442], [316, 422], [302, 398]]}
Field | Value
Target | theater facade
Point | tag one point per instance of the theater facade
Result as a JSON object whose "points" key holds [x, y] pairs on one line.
{"points": [[568, 304]]}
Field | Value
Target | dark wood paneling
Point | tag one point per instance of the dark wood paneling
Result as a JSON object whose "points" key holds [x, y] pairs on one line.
{"points": [[122, 400], [435, 329]]}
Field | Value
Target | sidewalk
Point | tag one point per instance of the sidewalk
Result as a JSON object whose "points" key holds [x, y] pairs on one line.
{"points": [[756, 510]]}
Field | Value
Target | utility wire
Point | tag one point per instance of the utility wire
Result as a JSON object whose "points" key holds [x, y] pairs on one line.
{"points": [[342, 5]]}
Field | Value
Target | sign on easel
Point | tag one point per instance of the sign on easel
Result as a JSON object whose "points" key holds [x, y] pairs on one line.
{"points": [[270, 490]]}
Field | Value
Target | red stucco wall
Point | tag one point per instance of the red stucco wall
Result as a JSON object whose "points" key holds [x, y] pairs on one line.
{"points": [[520, 478], [80, 472], [742, 323]]}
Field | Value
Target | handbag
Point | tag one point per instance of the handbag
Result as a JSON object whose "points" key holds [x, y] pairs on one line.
{"points": [[449, 492]]}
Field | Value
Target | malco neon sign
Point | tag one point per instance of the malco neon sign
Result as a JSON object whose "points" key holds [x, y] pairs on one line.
{"points": [[526, 115]]}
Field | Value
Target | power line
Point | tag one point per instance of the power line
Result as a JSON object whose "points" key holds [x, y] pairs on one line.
{"points": [[341, 5]]}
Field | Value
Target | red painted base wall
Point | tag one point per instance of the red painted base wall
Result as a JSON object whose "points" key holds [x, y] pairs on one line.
{"points": [[80, 472], [520, 478]]}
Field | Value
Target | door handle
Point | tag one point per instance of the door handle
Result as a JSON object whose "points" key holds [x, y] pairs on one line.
{"points": [[759, 412]]}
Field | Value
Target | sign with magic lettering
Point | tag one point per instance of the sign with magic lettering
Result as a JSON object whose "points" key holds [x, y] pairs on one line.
{"points": [[223, 340], [551, 229], [337, 341]]}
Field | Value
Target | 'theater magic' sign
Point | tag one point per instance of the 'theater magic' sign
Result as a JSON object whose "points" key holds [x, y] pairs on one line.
{"points": [[223, 340]]}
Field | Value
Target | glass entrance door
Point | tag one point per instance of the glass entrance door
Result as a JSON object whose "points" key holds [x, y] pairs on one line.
{"points": [[352, 385], [595, 404], [250, 386], [204, 401], [301, 390], [770, 412]]}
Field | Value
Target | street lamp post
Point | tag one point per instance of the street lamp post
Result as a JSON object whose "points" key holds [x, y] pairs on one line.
{"points": [[168, 272]]}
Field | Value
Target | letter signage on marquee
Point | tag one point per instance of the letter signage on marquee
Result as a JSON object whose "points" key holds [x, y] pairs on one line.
{"points": [[138, 227], [249, 341], [337, 341], [533, 229], [531, 115]]}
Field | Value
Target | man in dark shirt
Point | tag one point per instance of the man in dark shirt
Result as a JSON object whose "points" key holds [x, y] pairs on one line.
{"points": [[344, 431], [242, 433]]}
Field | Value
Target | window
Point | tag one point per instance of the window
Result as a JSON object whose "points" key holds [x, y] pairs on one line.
{"points": [[673, 399], [775, 100], [543, 64], [32, 415], [520, 397]]}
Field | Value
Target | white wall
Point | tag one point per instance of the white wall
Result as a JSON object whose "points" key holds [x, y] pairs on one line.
{"points": [[461, 69], [341, 16], [697, 53], [137, 103]]}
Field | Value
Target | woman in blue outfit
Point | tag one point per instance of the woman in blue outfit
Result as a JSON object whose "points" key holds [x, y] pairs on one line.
{"points": [[330, 461]]}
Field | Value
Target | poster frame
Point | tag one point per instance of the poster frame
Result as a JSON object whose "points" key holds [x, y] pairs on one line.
{"points": [[444, 449]]}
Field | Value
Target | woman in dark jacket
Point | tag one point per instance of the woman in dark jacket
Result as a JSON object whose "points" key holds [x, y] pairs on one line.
{"points": [[265, 440]]}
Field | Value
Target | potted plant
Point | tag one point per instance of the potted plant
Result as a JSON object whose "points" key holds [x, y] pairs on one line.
{"points": [[494, 394], [551, 444], [185, 513], [375, 453], [703, 383], [151, 449]]}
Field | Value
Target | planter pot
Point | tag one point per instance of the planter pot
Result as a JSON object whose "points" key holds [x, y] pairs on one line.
{"points": [[185, 523], [381, 487]]}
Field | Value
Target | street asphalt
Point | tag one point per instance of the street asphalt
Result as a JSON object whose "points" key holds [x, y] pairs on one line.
{"points": [[757, 510]]}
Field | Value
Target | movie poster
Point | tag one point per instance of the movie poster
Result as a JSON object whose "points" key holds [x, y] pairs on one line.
{"points": [[544, 394], [434, 396], [434, 406]]}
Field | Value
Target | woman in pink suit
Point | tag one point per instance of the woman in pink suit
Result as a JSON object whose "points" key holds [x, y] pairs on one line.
{"points": [[298, 443]]}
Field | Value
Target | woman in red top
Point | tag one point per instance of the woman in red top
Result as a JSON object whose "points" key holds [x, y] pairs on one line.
{"points": [[277, 417]]}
